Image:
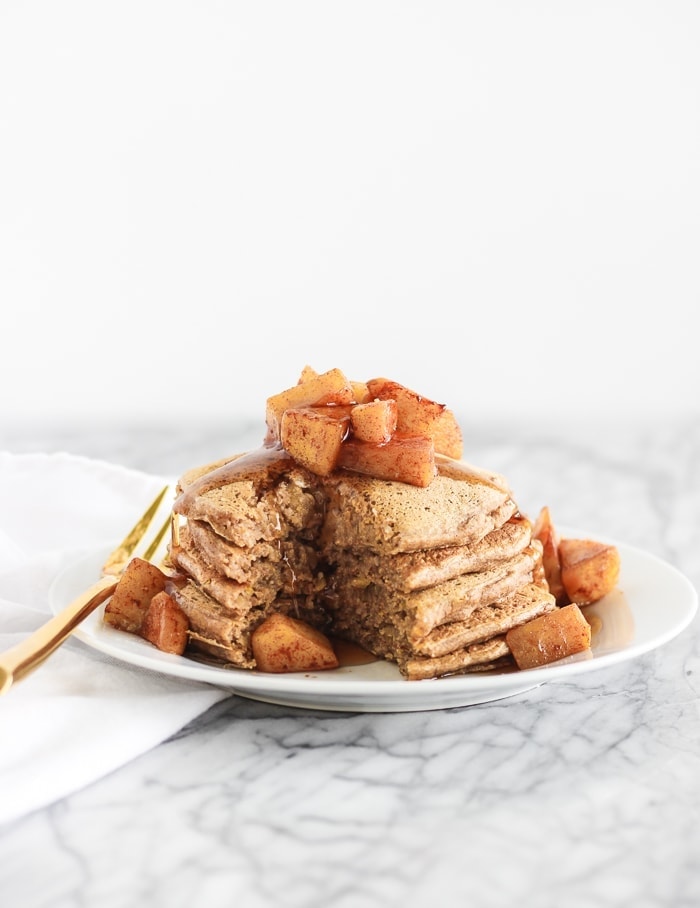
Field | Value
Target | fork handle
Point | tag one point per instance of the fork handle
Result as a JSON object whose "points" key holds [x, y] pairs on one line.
{"points": [[20, 660]]}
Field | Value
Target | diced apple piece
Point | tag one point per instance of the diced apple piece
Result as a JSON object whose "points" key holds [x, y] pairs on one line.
{"points": [[402, 459], [306, 373], [138, 584], [375, 421], [589, 569], [538, 575], [313, 438], [417, 415], [335, 411], [285, 644], [361, 392], [560, 633], [330, 387], [447, 435], [544, 530], [165, 625]]}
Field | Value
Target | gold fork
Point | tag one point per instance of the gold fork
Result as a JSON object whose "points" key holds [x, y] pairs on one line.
{"points": [[17, 662]]}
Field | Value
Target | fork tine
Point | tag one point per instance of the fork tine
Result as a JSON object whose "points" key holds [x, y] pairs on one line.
{"points": [[150, 552], [117, 560]]}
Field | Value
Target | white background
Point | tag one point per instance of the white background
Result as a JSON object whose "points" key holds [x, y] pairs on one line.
{"points": [[495, 203]]}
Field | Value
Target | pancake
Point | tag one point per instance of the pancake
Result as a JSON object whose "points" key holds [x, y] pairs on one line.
{"points": [[408, 571], [439, 619], [263, 494], [427, 577], [460, 506]]}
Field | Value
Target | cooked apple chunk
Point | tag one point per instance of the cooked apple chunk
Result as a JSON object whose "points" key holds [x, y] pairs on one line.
{"points": [[560, 633], [165, 625], [139, 583], [330, 387], [360, 392], [447, 435], [307, 373], [402, 459], [417, 415], [589, 569], [375, 421], [381, 412], [314, 438], [286, 644], [545, 530]]}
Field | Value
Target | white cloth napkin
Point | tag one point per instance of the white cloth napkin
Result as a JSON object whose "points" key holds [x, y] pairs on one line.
{"points": [[81, 714]]}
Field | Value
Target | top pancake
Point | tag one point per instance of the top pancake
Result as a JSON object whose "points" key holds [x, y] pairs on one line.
{"points": [[265, 495]]}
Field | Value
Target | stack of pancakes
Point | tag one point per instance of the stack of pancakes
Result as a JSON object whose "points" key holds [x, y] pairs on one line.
{"points": [[429, 578]]}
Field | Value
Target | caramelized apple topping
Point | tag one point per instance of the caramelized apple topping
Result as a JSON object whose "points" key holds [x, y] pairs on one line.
{"points": [[380, 427]]}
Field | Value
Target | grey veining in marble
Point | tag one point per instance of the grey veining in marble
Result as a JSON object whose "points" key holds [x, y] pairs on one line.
{"points": [[583, 793]]}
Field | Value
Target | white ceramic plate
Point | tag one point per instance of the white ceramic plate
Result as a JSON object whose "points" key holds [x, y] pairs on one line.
{"points": [[653, 604]]}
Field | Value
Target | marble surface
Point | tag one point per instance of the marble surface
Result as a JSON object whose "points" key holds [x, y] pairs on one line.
{"points": [[578, 793]]}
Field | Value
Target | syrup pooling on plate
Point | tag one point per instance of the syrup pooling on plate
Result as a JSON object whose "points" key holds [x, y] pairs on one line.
{"points": [[612, 623], [350, 654]]}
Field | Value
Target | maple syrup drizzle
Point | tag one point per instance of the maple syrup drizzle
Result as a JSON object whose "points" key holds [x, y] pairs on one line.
{"points": [[268, 462], [349, 654], [264, 464], [465, 472]]}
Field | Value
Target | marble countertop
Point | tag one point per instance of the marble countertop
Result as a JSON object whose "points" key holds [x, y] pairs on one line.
{"points": [[583, 792]]}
